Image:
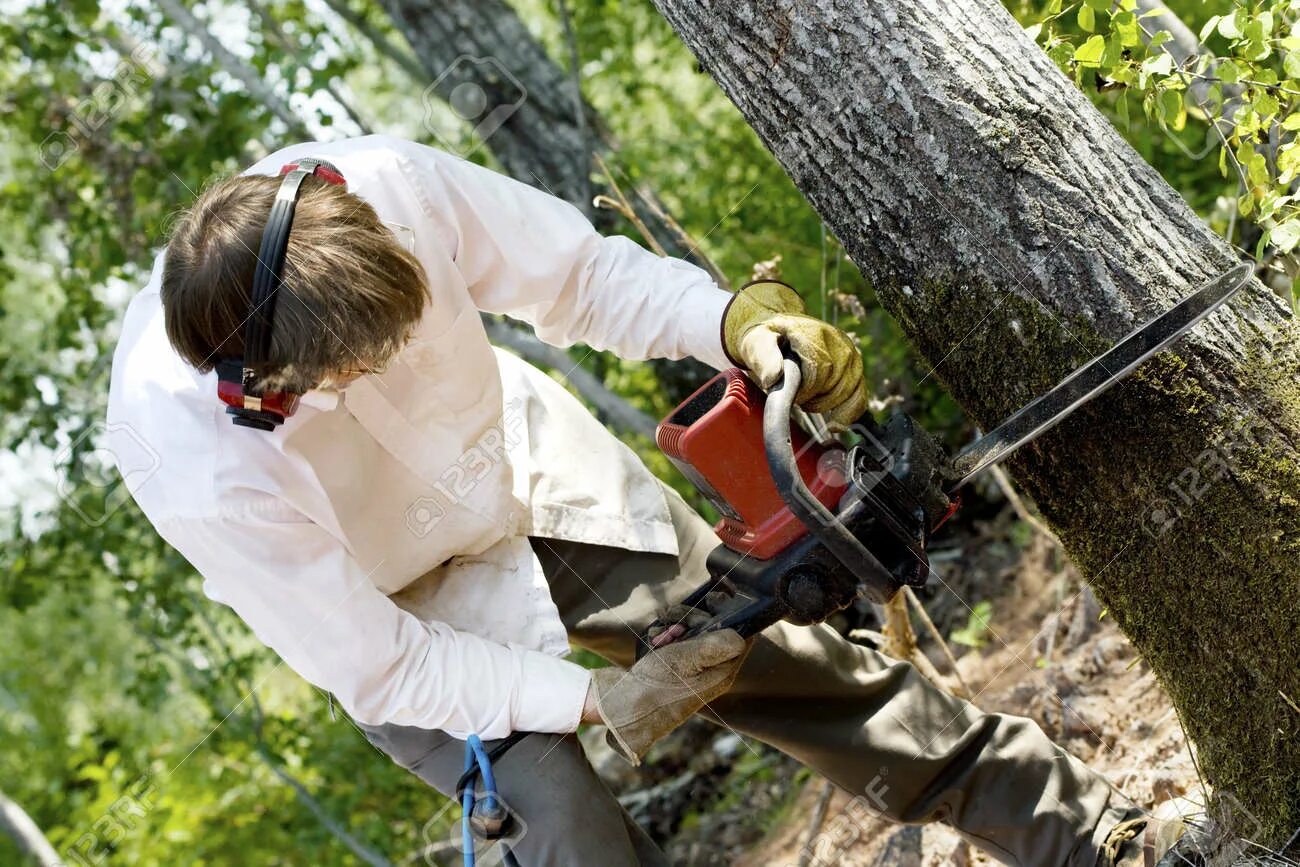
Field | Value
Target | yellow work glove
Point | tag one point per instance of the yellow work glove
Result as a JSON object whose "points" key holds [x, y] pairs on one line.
{"points": [[760, 315]]}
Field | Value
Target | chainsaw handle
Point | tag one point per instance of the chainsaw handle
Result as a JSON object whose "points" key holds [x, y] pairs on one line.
{"points": [[819, 520]]}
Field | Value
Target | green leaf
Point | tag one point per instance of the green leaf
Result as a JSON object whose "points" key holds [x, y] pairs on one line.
{"points": [[1114, 51], [1245, 204], [1285, 235], [1228, 72], [1033, 30], [1099, 5], [1291, 121], [1262, 245], [1257, 171], [1124, 24], [1291, 64], [1171, 108], [1160, 65], [975, 632], [1061, 54], [1266, 104], [1208, 28], [1090, 52], [1265, 21], [1087, 19], [1229, 26], [1244, 153]]}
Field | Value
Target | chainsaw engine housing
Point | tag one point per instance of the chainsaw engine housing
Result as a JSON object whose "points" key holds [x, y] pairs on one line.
{"points": [[883, 491], [716, 439]]}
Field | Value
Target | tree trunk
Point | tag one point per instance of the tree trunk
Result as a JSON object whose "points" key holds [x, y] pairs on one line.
{"points": [[1013, 234]]}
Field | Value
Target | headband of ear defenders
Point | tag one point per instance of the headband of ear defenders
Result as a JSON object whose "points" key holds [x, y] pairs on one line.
{"points": [[248, 406]]}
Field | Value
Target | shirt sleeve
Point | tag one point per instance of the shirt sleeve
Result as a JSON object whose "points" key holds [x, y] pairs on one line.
{"points": [[306, 598], [535, 257]]}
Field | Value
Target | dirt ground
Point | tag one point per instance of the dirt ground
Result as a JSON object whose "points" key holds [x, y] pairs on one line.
{"points": [[1050, 655]]}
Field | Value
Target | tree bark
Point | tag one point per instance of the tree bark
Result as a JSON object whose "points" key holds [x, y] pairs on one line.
{"points": [[1013, 234]]}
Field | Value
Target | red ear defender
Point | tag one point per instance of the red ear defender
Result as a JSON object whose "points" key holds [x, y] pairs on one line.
{"points": [[264, 412], [236, 377]]}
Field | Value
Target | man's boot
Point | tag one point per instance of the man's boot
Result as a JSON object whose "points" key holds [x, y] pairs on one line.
{"points": [[1162, 839]]}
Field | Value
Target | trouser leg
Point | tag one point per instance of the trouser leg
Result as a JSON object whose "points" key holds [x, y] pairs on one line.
{"points": [[570, 815], [872, 725]]}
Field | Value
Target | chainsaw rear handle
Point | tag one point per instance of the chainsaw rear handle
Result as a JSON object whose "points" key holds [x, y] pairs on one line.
{"points": [[874, 578]]}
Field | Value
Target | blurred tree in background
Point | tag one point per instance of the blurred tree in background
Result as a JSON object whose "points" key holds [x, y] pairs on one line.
{"points": [[140, 721]]}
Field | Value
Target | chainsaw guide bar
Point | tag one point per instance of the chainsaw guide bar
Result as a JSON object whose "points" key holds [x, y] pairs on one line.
{"points": [[1096, 376]]}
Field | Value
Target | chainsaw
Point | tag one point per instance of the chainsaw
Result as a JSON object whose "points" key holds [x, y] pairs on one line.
{"points": [[808, 527]]}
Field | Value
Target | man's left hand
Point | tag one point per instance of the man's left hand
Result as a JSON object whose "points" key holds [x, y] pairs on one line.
{"points": [[761, 315], [664, 688]]}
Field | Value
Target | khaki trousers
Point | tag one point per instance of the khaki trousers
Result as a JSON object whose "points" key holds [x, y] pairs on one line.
{"points": [[872, 725]]}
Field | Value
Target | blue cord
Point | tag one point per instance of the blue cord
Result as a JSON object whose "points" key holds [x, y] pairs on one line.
{"points": [[475, 746], [475, 753]]}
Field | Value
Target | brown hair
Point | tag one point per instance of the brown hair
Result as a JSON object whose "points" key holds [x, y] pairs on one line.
{"points": [[350, 297]]}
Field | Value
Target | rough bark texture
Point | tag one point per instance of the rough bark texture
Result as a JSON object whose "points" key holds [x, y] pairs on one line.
{"points": [[543, 141], [1013, 233]]}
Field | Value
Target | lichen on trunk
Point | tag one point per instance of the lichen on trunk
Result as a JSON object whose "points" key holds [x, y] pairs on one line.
{"points": [[1013, 234]]}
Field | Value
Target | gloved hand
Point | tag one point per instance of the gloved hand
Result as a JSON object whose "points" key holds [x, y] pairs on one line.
{"points": [[763, 312], [664, 687], [676, 620]]}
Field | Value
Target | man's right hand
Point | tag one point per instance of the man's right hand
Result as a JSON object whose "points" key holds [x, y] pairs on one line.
{"points": [[663, 689]]}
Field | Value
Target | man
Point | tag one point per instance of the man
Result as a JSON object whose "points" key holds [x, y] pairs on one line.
{"points": [[436, 522]]}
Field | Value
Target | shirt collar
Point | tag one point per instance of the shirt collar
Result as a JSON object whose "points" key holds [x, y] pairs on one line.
{"points": [[323, 399]]}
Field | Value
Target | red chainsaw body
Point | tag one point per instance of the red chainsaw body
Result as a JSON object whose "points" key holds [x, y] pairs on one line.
{"points": [[715, 437]]}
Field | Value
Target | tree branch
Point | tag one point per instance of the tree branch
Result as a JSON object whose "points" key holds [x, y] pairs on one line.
{"points": [[18, 825], [249, 77], [386, 47]]}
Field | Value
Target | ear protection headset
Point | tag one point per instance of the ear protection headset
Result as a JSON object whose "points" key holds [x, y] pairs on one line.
{"points": [[249, 406]]}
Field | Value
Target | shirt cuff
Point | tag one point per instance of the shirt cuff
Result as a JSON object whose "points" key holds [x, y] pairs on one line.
{"points": [[551, 694], [704, 328]]}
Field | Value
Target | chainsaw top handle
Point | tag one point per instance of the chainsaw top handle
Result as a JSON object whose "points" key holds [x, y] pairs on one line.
{"points": [[781, 461]]}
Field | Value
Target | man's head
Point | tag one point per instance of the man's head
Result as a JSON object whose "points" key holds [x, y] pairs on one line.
{"points": [[350, 296]]}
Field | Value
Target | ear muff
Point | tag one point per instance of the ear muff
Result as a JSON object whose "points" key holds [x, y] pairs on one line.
{"points": [[236, 377]]}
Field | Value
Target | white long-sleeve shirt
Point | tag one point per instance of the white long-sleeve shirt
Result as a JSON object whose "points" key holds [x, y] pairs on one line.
{"points": [[377, 541]]}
